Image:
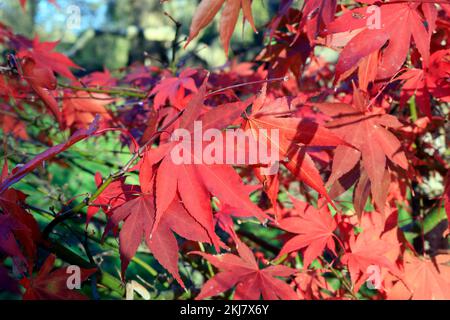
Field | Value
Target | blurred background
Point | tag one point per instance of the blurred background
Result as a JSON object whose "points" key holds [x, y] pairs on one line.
{"points": [[114, 34]]}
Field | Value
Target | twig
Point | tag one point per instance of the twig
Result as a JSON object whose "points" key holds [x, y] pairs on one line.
{"points": [[247, 84], [112, 91], [178, 26], [343, 280]]}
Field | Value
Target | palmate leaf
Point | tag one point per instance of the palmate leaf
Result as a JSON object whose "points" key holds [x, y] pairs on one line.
{"points": [[177, 197], [139, 216], [399, 23], [49, 284], [368, 132], [208, 9], [313, 231], [250, 281], [295, 134], [195, 183]]}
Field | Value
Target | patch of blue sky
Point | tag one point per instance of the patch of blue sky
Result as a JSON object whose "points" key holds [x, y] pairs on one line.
{"points": [[92, 14]]}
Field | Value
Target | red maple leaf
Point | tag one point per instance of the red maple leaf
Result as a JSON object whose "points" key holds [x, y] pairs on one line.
{"points": [[399, 22], [313, 228], [81, 108], [174, 89], [244, 273], [52, 285], [195, 183], [312, 285], [289, 53], [8, 242], [431, 80], [316, 15], [367, 131], [139, 218], [366, 249], [43, 55], [426, 279], [21, 223], [18, 221], [295, 135], [116, 194], [42, 80], [11, 123], [208, 9]]}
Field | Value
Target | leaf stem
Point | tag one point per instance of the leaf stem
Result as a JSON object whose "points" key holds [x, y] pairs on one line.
{"points": [[210, 269]]}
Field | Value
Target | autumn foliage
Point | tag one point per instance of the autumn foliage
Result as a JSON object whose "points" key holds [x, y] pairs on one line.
{"points": [[346, 216]]}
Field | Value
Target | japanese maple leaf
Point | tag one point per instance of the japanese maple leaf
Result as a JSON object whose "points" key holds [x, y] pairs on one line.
{"points": [[196, 182], [310, 285], [101, 79], [21, 223], [224, 217], [386, 225], [368, 132], [52, 285], [295, 135], [431, 80], [174, 89], [316, 15], [366, 250], [116, 194], [427, 279], [43, 55], [313, 228], [11, 123], [438, 72], [139, 217], [288, 53], [207, 10], [4, 88], [243, 272], [399, 22], [81, 108], [8, 242], [42, 80]]}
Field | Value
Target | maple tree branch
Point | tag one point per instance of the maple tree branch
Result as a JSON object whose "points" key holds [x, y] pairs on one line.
{"points": [[178, 26], [285, 78], [342, 278], [129, 92]]}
